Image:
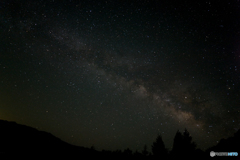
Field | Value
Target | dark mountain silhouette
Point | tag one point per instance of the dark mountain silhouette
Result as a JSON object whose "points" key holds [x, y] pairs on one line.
{"points": [[23, 141], [17, 139], [231, 144]]}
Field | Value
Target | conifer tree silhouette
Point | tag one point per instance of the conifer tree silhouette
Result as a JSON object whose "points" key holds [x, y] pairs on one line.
{"points": [[189, 146], [145, 152], [183, 145], [127, 152], [158, 148]]}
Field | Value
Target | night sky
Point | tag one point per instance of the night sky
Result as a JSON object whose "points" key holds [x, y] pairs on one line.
{"points": [[115, 74]]}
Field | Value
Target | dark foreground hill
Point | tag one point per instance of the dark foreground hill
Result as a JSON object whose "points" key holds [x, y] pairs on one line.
{"points": [[231, 144], [21, 140]]}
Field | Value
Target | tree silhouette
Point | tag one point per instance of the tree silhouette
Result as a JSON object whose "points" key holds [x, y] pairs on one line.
{"points": [[158, 148], [177, 142], [137, 155], [145, 152], [127, 152], [189, 146], [183, 145]]}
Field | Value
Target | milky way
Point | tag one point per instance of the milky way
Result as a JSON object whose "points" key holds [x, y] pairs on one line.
{"points": [[114, 74]]}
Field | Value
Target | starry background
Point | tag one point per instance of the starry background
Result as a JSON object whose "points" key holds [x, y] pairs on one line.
{"points": [[115, 74]]}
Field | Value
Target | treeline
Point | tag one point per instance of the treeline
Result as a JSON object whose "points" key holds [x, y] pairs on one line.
{"points": [[24, 141], [183, 147]]}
